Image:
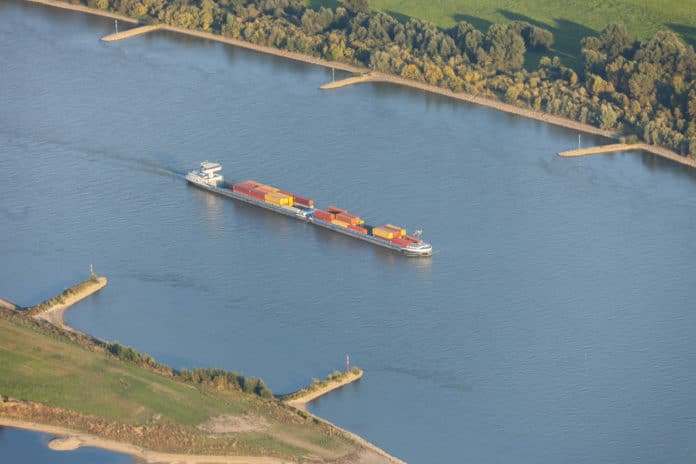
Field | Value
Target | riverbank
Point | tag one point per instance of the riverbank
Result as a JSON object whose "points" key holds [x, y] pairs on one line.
{"points": [[53, 309], [169, 419], [86, 9], [387, 78]]}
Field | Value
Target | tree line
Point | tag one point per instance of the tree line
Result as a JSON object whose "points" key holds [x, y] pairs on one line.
{"points": [[645, 89], [210, 377]]}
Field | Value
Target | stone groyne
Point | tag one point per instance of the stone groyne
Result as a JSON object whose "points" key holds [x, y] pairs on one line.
{"points": [[53, 309], [300, 398], [616, 147], [131, 33]]}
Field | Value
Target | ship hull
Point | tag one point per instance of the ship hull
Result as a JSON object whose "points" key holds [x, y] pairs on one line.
{"points": [[306, 216]]}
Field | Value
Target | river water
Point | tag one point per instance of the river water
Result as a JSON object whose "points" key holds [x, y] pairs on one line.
{"points": [[553, 324]]}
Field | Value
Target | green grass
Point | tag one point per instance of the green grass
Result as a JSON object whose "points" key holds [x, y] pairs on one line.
{"points": [[569, 20], [45, 368]]}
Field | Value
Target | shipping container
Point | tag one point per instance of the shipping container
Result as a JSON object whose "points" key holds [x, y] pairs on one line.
{"points": [[340, 223], [412, 239], [241, 189], [362, 230], [253, 183], [266, 188], [323, 215], [301, 201], [349, 218], [278, 199], [257, 194], [383, 233], [396, 229]]}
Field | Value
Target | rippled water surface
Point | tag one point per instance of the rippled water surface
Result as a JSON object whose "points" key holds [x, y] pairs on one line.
{"points": [[553, 324]]}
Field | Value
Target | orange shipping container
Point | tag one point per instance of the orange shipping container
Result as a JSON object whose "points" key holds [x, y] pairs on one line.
{"points": [[349, 218]]}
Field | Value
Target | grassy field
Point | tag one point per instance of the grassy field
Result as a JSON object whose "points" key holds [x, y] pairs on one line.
{"points": [[569, 20], [58, 373]]}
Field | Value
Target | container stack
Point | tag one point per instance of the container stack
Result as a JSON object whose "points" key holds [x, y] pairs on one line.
{"points": [[394, 234], [383, 232], [271, 194], [342, 218], [301, 201]]}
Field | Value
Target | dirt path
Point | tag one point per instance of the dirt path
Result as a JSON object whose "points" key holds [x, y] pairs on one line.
{"points": [[55, 314]]}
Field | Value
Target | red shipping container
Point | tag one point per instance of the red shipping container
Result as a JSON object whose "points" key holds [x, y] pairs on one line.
{"points": [[249, 183], [241, 188], [306, 202], [323, 215], [362, 230], [412, 239], [258, 194], [400, 242]]}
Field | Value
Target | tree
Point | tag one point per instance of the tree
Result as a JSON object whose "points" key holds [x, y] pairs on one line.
{"points": [[505, 48], [357, 6]]}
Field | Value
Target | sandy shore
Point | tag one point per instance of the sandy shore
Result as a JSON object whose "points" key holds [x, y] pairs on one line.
{"points": [[72, 439], [55, 314], [85, 9], [8, 304]]}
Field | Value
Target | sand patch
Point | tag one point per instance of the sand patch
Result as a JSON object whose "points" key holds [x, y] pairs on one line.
{"points": [[64, 444], [233, 424]]}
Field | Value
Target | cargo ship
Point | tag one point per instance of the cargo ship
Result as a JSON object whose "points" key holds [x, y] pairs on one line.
{"points": [[339, 220]]}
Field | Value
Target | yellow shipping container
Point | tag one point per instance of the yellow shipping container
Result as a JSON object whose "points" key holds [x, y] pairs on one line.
{"points": [[339, 223], [383, 233], [402, 232], [278, 199]]}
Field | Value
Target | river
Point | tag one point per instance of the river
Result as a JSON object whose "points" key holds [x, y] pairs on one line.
{"points": [[554, 322]]}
